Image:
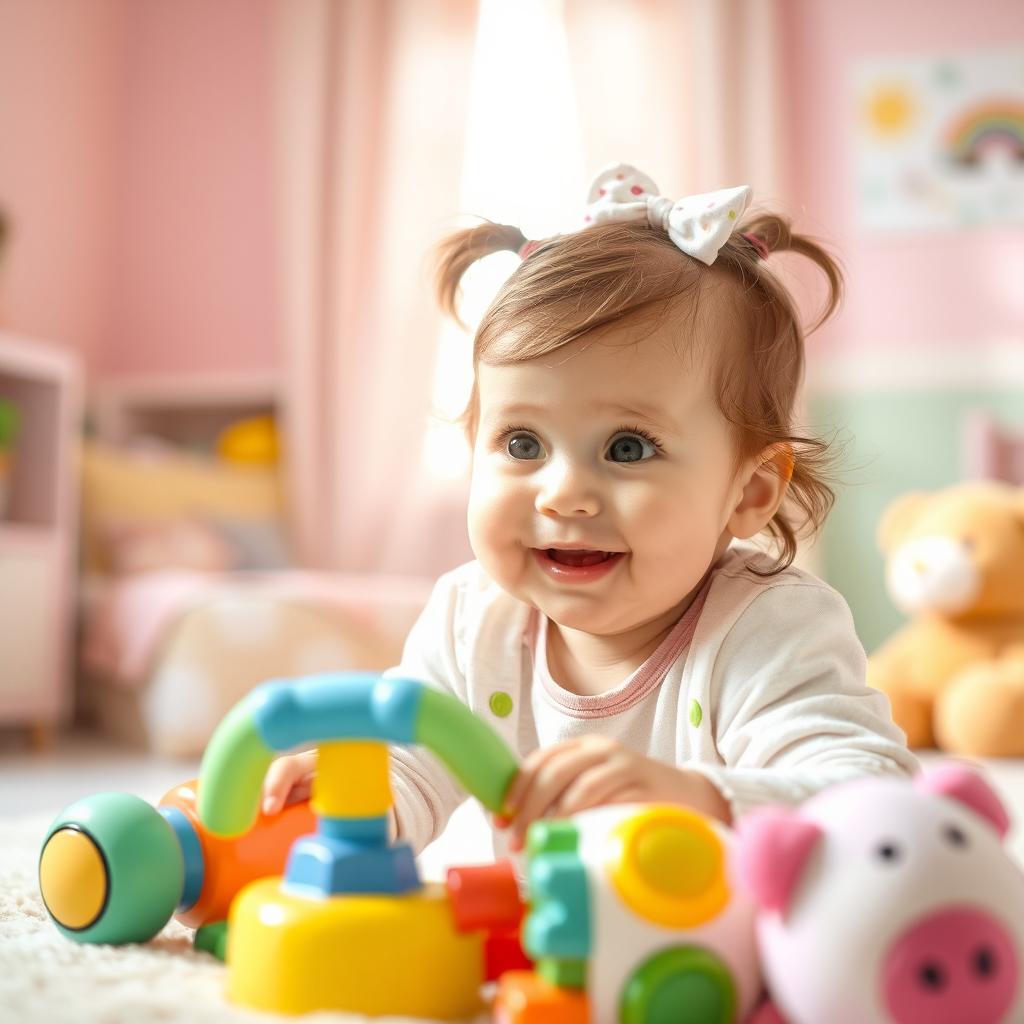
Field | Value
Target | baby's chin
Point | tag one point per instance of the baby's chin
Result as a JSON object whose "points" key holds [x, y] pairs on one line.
{"points": [[597, 620]]}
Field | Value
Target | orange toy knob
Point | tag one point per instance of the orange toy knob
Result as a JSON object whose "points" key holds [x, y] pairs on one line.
{"points": [[485, 897], [230, 864]]}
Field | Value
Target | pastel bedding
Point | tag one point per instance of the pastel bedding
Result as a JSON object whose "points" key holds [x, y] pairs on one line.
{"points": [[167, 653]]}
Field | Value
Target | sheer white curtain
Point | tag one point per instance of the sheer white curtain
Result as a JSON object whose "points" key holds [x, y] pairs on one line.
{"points": [[370, 100], [396, 115], [687, 90]]}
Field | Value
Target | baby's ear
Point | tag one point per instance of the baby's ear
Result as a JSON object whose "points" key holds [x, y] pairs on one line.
{"points": [[763, 492]]}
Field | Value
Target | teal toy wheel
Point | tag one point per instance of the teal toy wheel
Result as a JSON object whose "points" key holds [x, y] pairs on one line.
{"points": [[111, 870], [683, 985]]}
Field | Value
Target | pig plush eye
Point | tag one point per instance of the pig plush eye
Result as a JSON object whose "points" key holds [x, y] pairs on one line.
{"points": [[954, 836], [888, 852]]}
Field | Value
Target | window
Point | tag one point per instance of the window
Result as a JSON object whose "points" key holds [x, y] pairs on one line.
{"points": [[523, 165]]}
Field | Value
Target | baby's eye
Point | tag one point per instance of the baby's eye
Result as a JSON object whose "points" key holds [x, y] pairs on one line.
{"points": [[524, 446], [631, 448]]}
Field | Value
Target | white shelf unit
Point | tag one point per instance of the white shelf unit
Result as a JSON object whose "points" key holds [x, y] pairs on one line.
{"points": [[38, 535], [188, 411]]}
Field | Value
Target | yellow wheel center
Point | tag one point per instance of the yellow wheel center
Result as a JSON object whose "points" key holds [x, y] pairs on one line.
{"points": [[681, 863], [73, 878], [668, 865]]}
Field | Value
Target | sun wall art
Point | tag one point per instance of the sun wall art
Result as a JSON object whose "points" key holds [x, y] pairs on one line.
{"points": [[940, 141]]}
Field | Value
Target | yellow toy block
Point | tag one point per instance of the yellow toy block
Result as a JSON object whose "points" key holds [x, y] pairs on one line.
{"points": [[338, 765], [355, 953]]}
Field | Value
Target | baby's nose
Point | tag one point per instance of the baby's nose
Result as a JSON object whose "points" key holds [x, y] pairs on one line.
{"points": [[567, 490]]}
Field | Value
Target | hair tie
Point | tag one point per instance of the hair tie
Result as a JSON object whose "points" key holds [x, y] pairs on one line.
{"points": [[528, 247], [758, 243]]}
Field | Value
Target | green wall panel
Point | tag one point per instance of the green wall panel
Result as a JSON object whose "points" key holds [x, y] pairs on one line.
{"points": [[895, 442]]}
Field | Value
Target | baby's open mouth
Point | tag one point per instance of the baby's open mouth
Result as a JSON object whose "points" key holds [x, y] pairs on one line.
{"points": [[580, 557]]}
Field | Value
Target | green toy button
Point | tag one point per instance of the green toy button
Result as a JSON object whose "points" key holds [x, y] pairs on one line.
{"points": [[679, 984], [501, 704]]}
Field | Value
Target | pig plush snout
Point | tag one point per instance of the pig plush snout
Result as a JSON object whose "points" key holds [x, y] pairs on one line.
{"points": [[956, 965]]}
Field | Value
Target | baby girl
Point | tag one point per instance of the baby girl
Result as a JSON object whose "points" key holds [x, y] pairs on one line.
{"points": [[632, 428]]}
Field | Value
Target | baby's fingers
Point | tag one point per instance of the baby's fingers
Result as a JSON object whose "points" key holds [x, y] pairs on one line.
{"points": [[281, 776], [525, 778], [591, 788], [301, 790], [548, 783]]}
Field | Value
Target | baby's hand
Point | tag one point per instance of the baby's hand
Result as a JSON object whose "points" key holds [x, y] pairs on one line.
{"points": [[573, 776], [289, 780], [568, 777]]}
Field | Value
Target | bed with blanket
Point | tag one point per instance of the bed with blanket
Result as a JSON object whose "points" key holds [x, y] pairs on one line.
{"points": [[189, 598]]}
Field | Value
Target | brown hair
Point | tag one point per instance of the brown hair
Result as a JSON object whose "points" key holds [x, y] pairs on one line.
{"points": [[576, 283]]}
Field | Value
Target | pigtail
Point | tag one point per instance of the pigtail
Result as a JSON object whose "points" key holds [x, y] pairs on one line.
{"points": [[459, 251], [776, 235], [761, 398]]}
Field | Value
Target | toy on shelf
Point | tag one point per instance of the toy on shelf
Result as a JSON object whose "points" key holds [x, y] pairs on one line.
{"points": [[955, 672], [888, 901], [10, 423], [250, 442]]}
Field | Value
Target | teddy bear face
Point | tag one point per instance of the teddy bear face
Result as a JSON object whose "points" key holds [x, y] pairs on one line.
{"points": [[958, 553]]}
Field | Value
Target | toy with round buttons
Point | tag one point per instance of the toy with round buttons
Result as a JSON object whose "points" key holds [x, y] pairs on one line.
{"points": [[631, 913], [888, 901], [633, 919]]}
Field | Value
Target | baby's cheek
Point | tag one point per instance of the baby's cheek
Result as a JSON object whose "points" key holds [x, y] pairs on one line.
{"points": [[493, 539]]}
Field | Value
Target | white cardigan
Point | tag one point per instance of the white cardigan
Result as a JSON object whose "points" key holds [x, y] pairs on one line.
{"points": [[760, 686]]}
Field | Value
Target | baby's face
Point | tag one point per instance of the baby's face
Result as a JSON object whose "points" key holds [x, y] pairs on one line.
{"points": [[603, 479]]}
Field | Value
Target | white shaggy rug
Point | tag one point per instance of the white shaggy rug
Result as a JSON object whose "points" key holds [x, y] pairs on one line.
{"points": [[47, 979]]}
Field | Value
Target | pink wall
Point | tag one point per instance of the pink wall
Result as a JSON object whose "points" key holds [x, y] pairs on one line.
{"points": [[135, 163], [194, 249], [946, 290], [59, 85]]}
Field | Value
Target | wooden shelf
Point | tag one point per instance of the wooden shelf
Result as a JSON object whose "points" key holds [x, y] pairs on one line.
{"points": [[187, 411]]}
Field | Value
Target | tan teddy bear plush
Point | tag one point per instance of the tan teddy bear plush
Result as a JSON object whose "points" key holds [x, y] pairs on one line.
{"points": [[955, 567]]}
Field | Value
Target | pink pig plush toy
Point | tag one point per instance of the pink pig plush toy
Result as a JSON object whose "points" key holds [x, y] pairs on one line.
{"points": [[888, 901]]}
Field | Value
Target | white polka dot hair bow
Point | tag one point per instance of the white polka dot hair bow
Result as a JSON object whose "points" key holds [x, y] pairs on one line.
{"points": [[699, 225]]}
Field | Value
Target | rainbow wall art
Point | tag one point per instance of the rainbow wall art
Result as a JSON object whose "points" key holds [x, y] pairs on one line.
{"points": [[997, 124], [939, 141]]}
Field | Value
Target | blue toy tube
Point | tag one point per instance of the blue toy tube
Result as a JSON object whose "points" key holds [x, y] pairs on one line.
{"points": [[279, 715]]}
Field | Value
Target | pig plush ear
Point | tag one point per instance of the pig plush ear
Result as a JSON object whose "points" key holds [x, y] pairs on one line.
{"points": [[959, 782], [773, 845]]}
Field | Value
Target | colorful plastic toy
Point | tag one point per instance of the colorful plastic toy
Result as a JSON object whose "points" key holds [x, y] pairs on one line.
{"points": [[253, 441], [350, 926], [886, 901], [114, 869], [633, 917], [633, 920]]}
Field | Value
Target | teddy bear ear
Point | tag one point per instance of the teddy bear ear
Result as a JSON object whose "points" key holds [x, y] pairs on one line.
{"points": [[898, 517]]}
